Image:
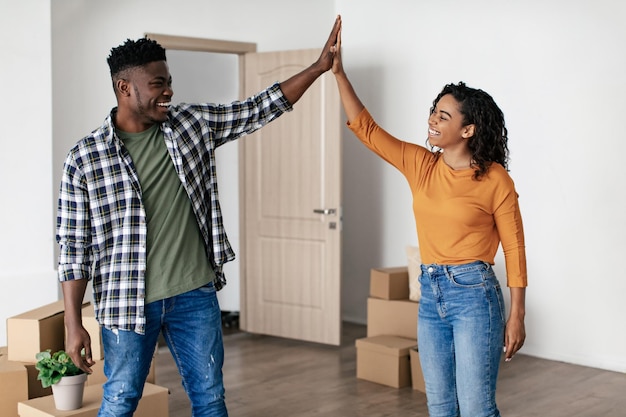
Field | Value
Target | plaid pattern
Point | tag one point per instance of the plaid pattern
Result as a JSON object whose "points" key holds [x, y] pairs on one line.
{"points": [[101, 221]]}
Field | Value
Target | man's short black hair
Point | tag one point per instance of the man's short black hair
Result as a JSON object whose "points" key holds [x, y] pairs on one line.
{"points": [[133, 54]]}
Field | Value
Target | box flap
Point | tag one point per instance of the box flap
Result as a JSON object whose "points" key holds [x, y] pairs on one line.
{"points": [[42, 312], [7, 366], [88, 310], [393, 270], [389, 345]]}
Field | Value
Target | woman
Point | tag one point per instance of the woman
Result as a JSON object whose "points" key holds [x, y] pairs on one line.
{"points": [[465, 205]]}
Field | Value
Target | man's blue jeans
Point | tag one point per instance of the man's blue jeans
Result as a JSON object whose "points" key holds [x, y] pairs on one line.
{"points": [[192, 326], [460, 338]]}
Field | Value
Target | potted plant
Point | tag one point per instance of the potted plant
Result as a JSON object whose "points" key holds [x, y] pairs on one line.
{"points": [[66, 379]]}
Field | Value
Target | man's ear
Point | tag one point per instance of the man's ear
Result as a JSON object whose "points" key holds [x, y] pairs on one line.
{"points": [[122, 87], [468, 131]]}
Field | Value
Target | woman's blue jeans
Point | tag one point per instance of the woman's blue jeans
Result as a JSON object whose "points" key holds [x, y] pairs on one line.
{"points": [[192, 326], [460, 338]]}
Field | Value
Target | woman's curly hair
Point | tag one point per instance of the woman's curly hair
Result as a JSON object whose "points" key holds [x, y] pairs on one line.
{"points": [[489, 143], [134, 54]]}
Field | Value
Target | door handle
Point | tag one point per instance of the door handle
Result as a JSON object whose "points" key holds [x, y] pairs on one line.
{"points": [[325, 211]]}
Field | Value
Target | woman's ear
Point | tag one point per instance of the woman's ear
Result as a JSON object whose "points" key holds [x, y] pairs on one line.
{"points": [[468, 131]]}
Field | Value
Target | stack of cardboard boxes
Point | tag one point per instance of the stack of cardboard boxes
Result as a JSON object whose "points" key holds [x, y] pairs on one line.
{"points": [[388, 355], [43, 328]]}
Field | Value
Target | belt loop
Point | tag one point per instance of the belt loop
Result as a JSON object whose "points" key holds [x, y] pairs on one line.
{"points": [[446, 270]]}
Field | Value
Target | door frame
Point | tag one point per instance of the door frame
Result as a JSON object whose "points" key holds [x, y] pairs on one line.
{"points": [[185, 43]]}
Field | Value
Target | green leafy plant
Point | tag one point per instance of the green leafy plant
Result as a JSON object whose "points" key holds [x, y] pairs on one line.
{"points": [[54, 366]]}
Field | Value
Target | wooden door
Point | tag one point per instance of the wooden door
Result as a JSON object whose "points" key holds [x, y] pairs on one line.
{"points": [[291, 205]]}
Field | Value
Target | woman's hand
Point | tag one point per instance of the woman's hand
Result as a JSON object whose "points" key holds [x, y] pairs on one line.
{"points": [[337, 66], [515, 331]]}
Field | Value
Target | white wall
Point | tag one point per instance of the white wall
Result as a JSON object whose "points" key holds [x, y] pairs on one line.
{"points": [[555, 67], [26, 219]]}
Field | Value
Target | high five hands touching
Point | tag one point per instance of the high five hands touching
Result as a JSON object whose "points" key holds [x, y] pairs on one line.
{"points": [[351, 103], [331, 48], [294, 87], [337, 64]]}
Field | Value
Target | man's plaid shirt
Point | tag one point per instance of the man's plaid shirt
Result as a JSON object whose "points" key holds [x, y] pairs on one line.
{"points": [[101, 220]]}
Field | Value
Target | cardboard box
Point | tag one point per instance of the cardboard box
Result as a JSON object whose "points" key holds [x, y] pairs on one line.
{"points": [[390, 283], [392, 317], [30, 383], [13, 384], [93, 328], [154, 403], [35, 390], [417, 378], [384, 360], [34, 331]]}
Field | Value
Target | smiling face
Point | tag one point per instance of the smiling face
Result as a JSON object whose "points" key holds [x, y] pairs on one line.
{"points": [[446, 129], [144, 96]]}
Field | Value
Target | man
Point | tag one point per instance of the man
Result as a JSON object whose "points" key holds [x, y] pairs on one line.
{"points": [[139, 215]]}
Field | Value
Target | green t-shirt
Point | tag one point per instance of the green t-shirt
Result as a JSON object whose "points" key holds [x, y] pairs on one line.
{"points": [[177, 260]]}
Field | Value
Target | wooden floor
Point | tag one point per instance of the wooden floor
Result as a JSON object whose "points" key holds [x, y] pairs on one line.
{"points": [[273, 377]]}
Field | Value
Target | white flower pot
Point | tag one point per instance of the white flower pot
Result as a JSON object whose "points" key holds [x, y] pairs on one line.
{"points": [[68, 392]]}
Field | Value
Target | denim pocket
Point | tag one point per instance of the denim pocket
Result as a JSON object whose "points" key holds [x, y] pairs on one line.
{"points": [[473, 277], [500, 299]]}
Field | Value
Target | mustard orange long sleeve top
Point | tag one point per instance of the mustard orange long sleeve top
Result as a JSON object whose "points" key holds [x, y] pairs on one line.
{"points": [[459, 219]]}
